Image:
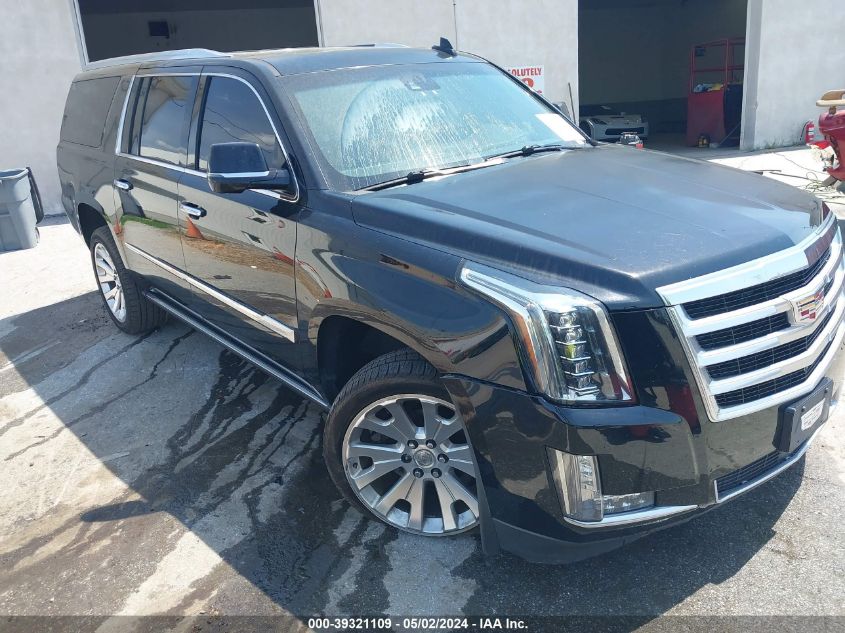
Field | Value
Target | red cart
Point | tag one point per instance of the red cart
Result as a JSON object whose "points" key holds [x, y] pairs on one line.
{"points": [[714, 104]]}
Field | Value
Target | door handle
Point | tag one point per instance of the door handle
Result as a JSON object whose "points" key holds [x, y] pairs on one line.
{"points": [[123, 185], [192, 210]]}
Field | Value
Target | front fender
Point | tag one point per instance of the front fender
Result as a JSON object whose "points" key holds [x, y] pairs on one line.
{"points": [[405, 290]]}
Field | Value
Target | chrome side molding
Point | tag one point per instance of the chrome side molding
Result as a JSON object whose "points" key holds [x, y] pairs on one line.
{"points": [[264, 319]]}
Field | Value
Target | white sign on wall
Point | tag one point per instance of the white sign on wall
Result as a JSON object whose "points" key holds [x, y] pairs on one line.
{"points": [[531, 76]]}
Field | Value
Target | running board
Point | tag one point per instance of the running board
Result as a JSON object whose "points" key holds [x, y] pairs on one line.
{"points": [[234, 345]]}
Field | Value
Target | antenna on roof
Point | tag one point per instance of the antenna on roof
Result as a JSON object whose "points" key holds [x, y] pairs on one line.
{"points": [[445, 46]]}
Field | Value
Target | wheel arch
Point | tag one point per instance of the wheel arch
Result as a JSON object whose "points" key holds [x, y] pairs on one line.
{"points": [[90, 219], [347, 340]]}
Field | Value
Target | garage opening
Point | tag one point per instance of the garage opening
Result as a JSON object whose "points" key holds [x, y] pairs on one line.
{"points": [[670, 70], [112, 29]]}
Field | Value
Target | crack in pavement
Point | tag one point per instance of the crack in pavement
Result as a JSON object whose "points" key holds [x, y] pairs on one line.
{"points": [[83, 380], [101, 407]]}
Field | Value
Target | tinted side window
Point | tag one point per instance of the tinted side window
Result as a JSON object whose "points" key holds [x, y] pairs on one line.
{"points": [[88, 103], [134, 113], [163, 126], [233, 113]]}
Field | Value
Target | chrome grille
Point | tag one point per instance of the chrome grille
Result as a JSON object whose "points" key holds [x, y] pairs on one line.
{"points": [[749, 356], [756, 294], [770, 387], [752, 362], [744, 332]]}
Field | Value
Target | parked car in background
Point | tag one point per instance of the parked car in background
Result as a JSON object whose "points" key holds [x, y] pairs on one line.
{"points": [[603, 123], [567, 344]]}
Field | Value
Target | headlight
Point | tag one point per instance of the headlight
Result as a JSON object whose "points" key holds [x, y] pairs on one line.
{"points": [[567, 340]]}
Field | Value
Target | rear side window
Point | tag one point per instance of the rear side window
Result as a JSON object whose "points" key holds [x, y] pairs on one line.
{"points": [[88, 103], [158, 122], [233, 113]]}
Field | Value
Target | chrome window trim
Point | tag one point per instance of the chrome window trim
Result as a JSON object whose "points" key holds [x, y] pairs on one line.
{"points": [[774, 472], [274, 194], [241, 174], [122, 121], [264, 319], [744, 275]]}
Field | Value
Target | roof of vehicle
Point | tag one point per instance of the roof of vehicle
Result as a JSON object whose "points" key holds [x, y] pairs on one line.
{"points": [[292, 61]]}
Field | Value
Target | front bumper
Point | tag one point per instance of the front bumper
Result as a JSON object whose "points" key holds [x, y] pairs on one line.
{"points": [[668, 447]]}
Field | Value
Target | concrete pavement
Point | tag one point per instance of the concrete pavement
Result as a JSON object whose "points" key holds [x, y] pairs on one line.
{"points": [[163, 475]]}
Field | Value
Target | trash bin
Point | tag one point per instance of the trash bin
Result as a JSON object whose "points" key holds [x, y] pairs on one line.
{"points": [[20, 210]]}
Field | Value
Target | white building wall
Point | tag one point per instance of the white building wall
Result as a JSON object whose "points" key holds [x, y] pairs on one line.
{"points": [[115, 34], [40, 55], [410, 22], [794, 54], [524, 33]]}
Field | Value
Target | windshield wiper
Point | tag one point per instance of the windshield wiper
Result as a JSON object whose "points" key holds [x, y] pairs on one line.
{"points": [[410, 178], [413, 177], [528, 150]]}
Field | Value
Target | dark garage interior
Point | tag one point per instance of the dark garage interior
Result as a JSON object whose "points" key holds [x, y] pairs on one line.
{"points": [[635, 56], [128, 27]]}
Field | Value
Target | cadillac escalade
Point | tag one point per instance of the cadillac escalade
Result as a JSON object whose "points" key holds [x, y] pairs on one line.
{"points": [[565, 344]]}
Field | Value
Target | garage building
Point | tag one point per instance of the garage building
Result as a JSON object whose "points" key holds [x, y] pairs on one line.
{"points": [[743, 71]]}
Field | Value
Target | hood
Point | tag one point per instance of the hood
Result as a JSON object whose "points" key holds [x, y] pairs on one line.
{"points": [[610, 221]]}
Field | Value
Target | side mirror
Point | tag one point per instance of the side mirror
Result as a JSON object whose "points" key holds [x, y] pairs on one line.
{"points": [[236, 167]]}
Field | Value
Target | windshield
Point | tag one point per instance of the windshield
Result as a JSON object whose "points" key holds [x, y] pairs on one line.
{"points": [[371, 125]]}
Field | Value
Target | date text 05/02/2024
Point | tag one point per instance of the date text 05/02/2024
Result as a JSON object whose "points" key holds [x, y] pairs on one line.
{"points": [[416, 624]]}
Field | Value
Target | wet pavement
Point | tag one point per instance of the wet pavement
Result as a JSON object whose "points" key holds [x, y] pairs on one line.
{"points": [[163, 475]]}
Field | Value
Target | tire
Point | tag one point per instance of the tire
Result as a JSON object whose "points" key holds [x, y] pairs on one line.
{"points": [[128, 308], [427, 484]]}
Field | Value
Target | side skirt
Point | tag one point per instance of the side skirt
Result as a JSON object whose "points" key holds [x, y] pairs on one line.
{"points": [[243, 350]]}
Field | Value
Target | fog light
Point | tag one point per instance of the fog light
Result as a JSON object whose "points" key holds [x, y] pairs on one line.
{"points": [[614, 504], [578, 485], [577, 481]]}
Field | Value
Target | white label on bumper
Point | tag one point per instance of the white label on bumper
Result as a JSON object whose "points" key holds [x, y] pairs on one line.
{"points": [[812, 416]]}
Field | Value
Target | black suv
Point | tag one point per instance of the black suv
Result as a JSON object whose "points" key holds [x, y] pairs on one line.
{"points": [[512, 327]]}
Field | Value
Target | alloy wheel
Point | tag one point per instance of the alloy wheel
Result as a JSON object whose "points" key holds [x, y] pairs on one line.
{"points": [[408, 460], [109, 280]]}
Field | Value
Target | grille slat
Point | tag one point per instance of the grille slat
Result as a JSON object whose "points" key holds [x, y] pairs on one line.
{"points": [[743, 333], [767, 357], [770, 387], [738, 299], [755, 469]]}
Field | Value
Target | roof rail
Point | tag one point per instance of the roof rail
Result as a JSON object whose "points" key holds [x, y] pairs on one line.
{"points": [[185, 53]]}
